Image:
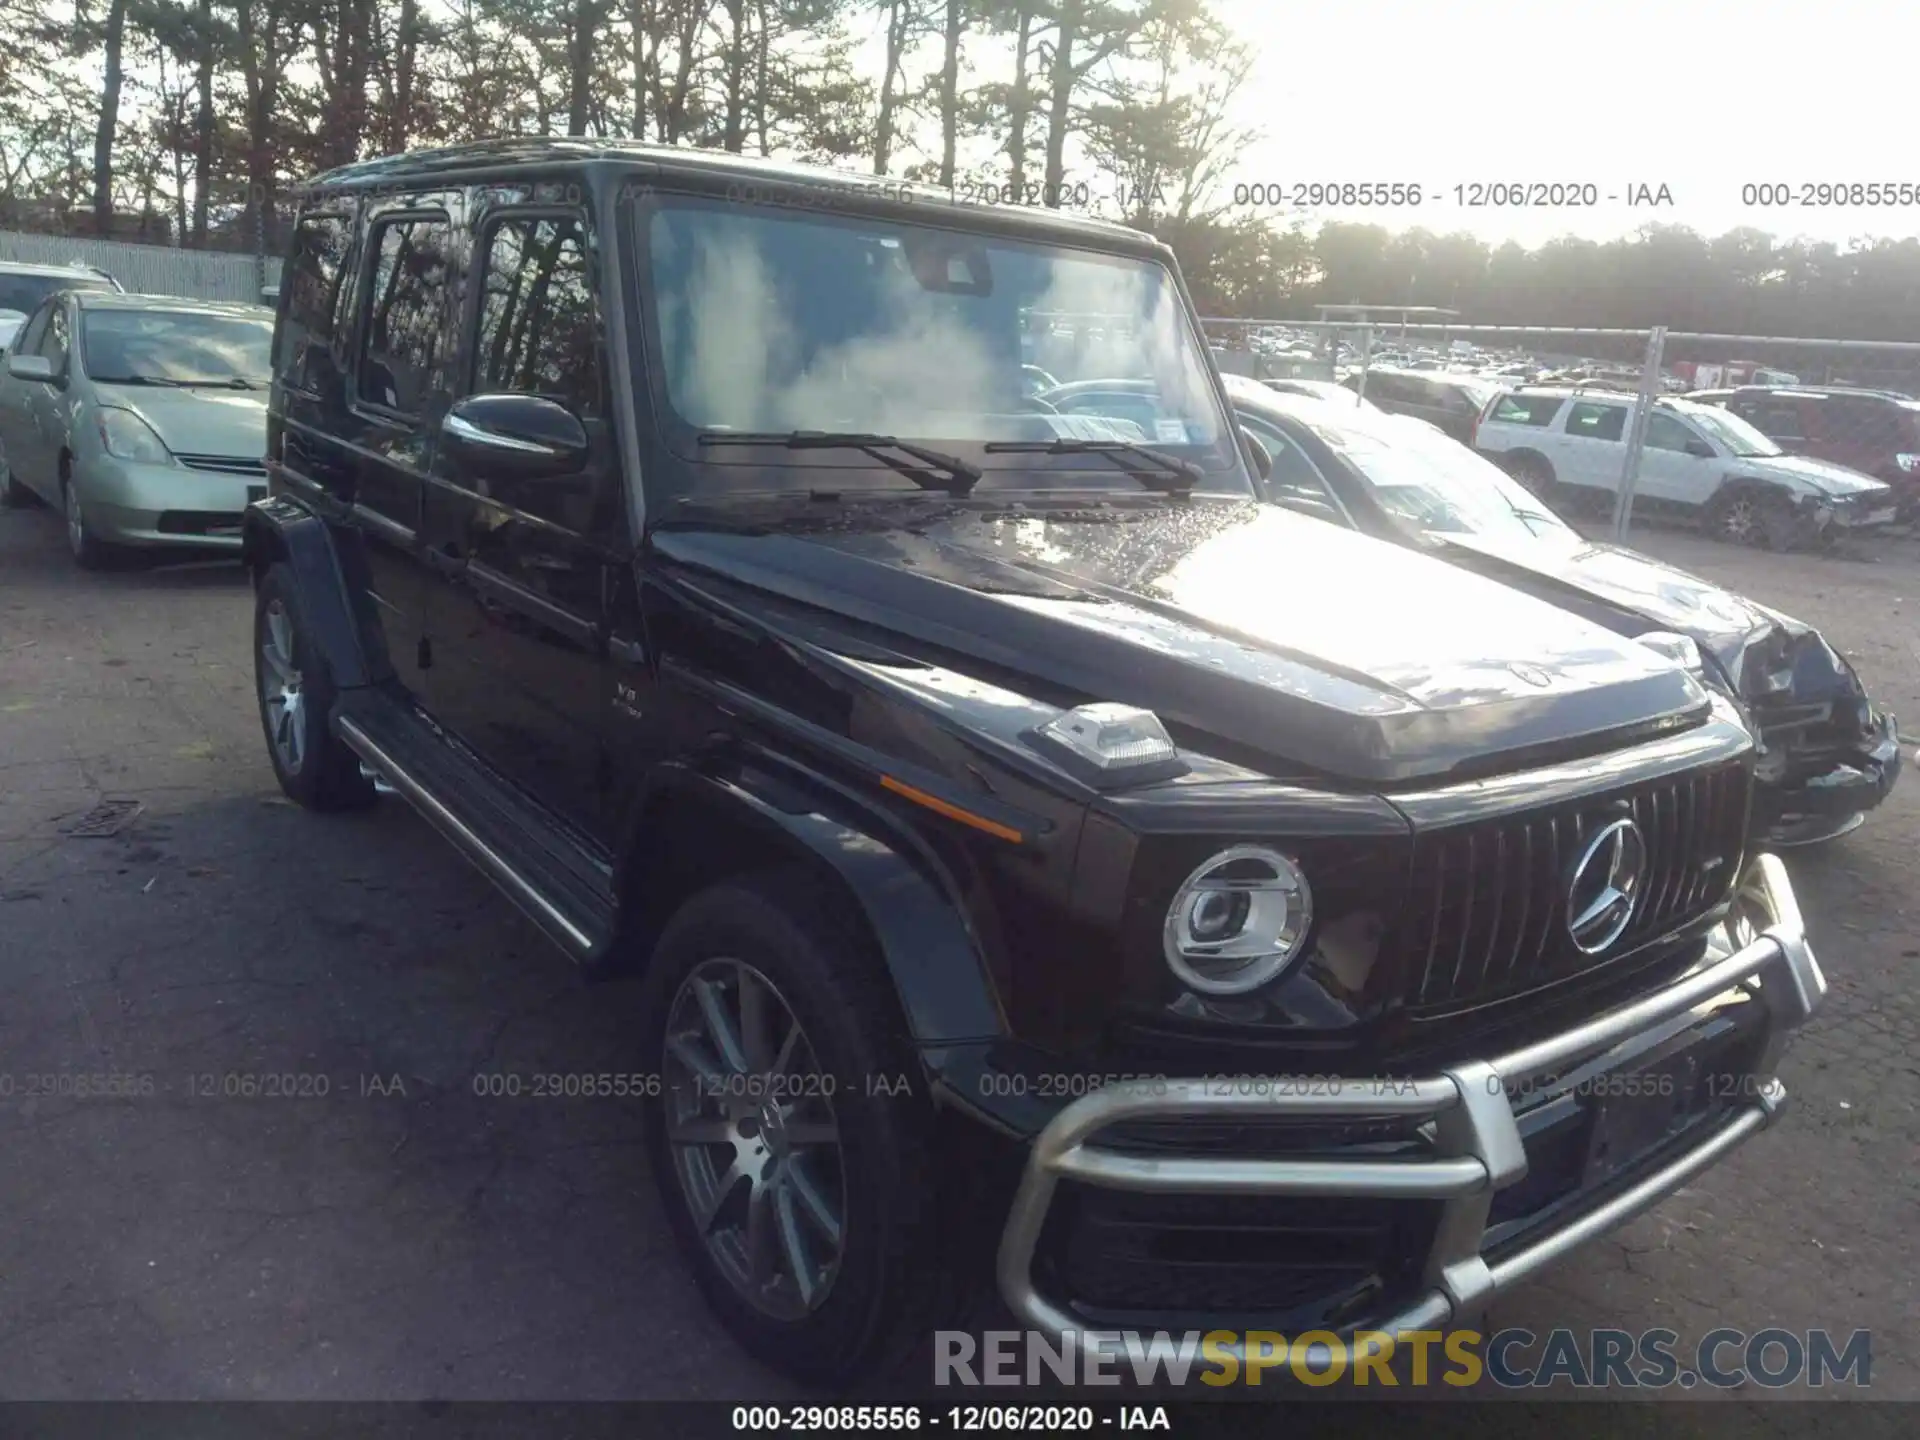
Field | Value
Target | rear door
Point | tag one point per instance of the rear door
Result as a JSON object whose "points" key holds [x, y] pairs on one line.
{"points": [[399, 394], [528, 569], [1592, 447]]}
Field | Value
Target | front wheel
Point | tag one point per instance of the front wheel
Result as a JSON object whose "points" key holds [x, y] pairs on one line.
{"points": [[13, 494], [296, 694], [1754, 518], [804, 1199], [89, 551]]}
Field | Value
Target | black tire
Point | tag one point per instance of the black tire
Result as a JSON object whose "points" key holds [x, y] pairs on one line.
{"points": [[1533, 472], [1759, 519], [314, 768], [89, 551], [890, 1284], [13, 495]]}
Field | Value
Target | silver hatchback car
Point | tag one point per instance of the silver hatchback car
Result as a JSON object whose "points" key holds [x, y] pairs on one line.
{"points": [[141, 418]]}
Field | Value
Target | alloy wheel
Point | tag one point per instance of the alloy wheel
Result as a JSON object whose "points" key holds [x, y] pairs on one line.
{"points": [[76, 522], [754, 1141], [281, 694], [1740, 521]]}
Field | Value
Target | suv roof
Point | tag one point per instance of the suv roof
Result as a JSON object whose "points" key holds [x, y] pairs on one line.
{"points": [[535, 154], [1823, 392], [122, 300], [35, 267]]}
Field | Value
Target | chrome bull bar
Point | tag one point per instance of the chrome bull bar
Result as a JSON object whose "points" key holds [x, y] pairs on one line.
{"points": [[1477, 1145]]}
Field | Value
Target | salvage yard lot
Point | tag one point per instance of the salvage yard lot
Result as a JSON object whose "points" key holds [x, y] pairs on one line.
{"points": [[383, 1231]]}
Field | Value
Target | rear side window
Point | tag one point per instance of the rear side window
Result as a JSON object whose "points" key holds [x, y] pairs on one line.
{"points": [[1778, 419], [539, 330], [400, 360], [315, 283], [1296, 481], [1534, 410], [1596, 422]]}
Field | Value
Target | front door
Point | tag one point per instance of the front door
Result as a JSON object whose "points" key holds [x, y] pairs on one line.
{"points": [[1669, 473], [529, 567]]}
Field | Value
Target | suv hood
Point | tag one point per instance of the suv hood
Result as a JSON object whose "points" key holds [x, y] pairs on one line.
{"points": [[200, 421], [1318, 647], [1803, 472]]}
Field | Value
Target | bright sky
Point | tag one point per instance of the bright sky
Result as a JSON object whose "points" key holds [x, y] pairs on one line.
{"points": [[1701, 95]]}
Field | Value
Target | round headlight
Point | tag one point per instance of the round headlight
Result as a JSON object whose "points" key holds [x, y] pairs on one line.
{"points": [[1238, 921]]}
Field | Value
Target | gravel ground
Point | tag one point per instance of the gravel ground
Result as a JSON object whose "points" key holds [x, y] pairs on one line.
{"points": [[367, 1227]]}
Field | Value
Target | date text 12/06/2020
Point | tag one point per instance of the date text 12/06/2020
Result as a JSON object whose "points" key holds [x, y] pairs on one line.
{"points": [[1468, 194]]}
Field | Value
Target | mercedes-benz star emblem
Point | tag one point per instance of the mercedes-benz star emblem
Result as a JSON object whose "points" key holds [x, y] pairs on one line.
{"points": [[1606, 886]]}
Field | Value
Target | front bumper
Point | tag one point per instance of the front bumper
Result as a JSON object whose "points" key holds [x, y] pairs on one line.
{"points": [[129, 503], [1477, 1149], [1814, 801]]}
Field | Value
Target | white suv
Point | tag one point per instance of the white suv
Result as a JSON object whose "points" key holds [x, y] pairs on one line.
{"points": [[1699, 462]]}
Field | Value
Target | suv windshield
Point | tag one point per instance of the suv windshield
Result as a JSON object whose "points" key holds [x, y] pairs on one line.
{"points": [[772, 321], [1431, 482], [176, 347], [1731, 431]]}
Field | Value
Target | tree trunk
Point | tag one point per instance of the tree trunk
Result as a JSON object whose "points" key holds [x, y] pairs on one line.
{"points": [[762, 39], [734, 137], [1020, 106], [950, 94], [640, 17], [1060, 103], [406, 44], [109, 121], [896, 43], [580, 66], [203, 124]]}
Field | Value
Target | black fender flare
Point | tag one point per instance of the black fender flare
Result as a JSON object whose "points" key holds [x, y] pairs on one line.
{"points": [[280, 530], [777, 812]]}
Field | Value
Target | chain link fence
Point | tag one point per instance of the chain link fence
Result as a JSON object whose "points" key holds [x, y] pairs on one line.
{"points": [[1771, 440], [152, 269]]}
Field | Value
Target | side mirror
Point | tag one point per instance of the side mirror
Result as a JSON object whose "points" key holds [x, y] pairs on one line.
{"points": [[1700, 449], [30, 367], [1258, 453], [514, 437]]}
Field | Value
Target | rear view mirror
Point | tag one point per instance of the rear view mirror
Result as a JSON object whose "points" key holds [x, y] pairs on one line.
{"points": [[30, 367], [1257, 453], [515, 437]]}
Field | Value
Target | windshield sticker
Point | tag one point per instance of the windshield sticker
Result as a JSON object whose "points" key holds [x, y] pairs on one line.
{"points": [[1170, 432]]}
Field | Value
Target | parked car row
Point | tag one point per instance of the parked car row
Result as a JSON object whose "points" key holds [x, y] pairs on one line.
{"points": [[140, 418], [760, 615]]}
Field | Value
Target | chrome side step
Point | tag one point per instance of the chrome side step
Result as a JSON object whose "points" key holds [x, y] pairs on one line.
{"points": [[574, 933]]}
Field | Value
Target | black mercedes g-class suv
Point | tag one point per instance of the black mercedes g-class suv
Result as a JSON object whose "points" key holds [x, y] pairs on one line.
{"points": [[1336, 937]]}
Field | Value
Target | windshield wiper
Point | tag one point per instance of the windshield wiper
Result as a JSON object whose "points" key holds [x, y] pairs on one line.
{"points": [[936, 469], [231, 382], [1166, 473]]}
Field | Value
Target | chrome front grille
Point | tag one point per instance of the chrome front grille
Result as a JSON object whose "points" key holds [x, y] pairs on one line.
{"points": [[225, 464], [1487, 914]]}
